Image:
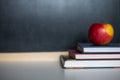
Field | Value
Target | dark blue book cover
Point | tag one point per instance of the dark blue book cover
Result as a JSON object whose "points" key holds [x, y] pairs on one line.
{"points": [[90, 48]]}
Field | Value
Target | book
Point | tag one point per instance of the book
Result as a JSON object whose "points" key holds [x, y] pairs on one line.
{"points": [[74, 54], [72, 63], [90, 48]]}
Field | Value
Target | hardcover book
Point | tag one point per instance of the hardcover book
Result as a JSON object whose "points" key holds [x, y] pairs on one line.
{"points": [[74, 54], [90, 48], [72, 63]]}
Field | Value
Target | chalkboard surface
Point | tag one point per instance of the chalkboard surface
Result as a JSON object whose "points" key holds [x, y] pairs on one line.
{"points": [[52, 25]]}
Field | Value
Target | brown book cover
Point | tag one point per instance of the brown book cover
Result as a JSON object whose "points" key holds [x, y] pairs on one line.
{"points": [[74, 54]]}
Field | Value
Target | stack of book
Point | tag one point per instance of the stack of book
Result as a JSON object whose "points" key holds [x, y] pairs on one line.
{"points": [[90, 56]]}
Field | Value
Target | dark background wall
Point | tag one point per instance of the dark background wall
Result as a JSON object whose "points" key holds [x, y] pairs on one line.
{"points": [[52, 25]]}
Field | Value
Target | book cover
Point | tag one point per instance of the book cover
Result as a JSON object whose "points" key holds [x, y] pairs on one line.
{"points": [[76, 64], [74, 54], [90, 48]]}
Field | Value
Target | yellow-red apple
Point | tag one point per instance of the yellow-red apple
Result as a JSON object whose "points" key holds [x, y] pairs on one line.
{"points": [[101, 34]]}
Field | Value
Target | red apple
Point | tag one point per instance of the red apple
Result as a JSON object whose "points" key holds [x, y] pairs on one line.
{"points": [[101, 34]]}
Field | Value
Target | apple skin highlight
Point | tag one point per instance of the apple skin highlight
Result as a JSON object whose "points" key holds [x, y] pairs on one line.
{"points": [[100, 34]]}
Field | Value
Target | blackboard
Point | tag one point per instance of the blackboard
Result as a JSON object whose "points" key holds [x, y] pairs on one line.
{"points": [[52, 25]]}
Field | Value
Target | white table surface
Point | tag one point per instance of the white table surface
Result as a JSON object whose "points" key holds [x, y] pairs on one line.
{"points": [[51, 70]]}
